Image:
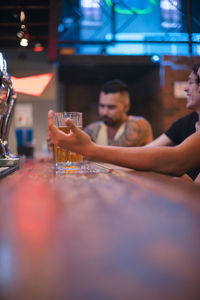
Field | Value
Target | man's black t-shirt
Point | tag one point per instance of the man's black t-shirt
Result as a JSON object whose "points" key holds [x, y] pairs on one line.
{"points": [[180, 130]]}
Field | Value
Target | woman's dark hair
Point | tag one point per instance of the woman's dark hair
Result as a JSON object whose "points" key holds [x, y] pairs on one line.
{"points": [[195, 69]]}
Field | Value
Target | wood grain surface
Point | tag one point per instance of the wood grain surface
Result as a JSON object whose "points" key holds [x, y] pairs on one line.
{"points": [[108, 233]]}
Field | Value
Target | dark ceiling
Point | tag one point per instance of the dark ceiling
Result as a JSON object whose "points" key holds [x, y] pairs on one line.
{"points": [[42, 18], [40, 24]]}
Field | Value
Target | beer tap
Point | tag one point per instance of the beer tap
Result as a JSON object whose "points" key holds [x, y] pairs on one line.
{"points": [[7, 122], [7, 101], [3, 103]]}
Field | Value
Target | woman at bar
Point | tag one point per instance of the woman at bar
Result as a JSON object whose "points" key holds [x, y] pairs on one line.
{"points": [[186, 125]]}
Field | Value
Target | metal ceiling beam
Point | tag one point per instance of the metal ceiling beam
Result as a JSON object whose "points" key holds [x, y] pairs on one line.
{"points": [[14, 24], [19, 7], [31, 38], [104, 42]]}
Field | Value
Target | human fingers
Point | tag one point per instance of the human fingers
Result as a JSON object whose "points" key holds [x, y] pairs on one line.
{"points": [[70, 124], [50, 118], [54, 132], [49, 141]]}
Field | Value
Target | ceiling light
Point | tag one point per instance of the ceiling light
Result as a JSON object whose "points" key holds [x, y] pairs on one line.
{"points": [[1, 62], [24, 42], [20, 34], [23, 34], [22, 16], [155, 58]]}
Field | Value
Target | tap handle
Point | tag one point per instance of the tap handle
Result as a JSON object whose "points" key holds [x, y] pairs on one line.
{"points": [[1, 62]]}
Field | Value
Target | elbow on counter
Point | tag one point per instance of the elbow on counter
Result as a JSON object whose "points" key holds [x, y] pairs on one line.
{"points": [[176, 163], [175, 171]]}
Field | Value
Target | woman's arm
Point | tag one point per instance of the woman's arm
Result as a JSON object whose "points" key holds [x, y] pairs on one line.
{"points": [[197, 180], [168, 160]]}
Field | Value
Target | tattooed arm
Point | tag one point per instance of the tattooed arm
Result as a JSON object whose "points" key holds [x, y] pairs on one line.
{"points": [[138, 132]]}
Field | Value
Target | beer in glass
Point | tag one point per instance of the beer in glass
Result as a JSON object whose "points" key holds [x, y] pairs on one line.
{"points": [[64, 158]]}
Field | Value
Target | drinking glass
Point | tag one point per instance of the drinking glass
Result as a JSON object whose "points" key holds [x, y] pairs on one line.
{"points": [[66, 159]]}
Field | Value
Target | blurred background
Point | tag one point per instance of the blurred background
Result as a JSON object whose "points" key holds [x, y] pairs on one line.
{"points": [[59, 54]]}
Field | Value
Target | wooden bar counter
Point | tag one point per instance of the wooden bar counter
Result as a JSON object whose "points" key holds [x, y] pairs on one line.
{"points": [[108, 233]]}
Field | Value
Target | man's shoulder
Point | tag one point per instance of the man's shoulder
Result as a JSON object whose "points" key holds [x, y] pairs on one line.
{"points": [[93, 129], [93, 125], [137, 120], [137, 132]]}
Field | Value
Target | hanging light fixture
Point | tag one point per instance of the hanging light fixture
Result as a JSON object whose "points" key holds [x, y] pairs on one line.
{"points": [[23, 34], [24, 42]]}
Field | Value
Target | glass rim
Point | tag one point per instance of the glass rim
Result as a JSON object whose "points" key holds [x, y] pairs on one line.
{"points": [[68, 112], [76, 116]]}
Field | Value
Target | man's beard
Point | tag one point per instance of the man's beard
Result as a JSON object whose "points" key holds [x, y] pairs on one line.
{"points": [[108, 121]]}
